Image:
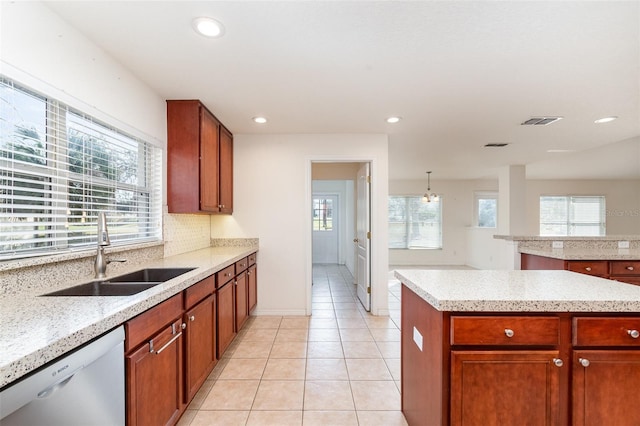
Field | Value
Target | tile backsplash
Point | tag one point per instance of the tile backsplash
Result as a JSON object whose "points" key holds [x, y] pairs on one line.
{"points": [[185, 232]]}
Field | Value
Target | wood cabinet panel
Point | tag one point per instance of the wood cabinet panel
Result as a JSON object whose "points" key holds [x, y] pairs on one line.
{"points": [[505, 330], [598, 268], [154, 380], [226, 317], [200, 345], [531, 261], [605, 386], [590, 331], [226, 171], [140, 328], [199, 291], [241, 300], [624, 267], [209, 162], [504, 388], [252, 277], [225, 275], [252, 258]]}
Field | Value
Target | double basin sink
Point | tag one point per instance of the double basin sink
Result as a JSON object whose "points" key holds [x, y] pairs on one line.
{"points": [[124, 285]]}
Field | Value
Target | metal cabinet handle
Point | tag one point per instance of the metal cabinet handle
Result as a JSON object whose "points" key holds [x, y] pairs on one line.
{"points": [[168, 343], [584, 362], [588, 269], [633, 333], [629, 268], [558, 362], [508, 332], [192, 318], [219, 206], [183, 326]]}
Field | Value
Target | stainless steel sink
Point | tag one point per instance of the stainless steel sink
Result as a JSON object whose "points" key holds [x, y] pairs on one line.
{"points": [[123, 285]]}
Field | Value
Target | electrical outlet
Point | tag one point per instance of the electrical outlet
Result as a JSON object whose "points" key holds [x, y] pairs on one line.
{"points": [[557, 244], [623, 244]]}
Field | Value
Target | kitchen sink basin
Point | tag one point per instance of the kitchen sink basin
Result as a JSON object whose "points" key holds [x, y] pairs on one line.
{"points": [[123, 285]]}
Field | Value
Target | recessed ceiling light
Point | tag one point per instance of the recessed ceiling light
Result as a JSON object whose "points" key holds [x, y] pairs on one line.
{"points": [[393, 120], [605, 119], [208, 27], [259, 120]]}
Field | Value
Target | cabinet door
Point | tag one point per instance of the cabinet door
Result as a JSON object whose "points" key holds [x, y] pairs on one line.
{"points": [[504, 388], [209, 160], [241, 299], [605, 388], [154, 379], [226, 171], [226, 317], [200, 345], [252, 277]]}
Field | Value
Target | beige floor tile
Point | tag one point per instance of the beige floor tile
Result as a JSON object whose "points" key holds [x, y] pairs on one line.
{"points": [[393, 364], [343, 299], [348, 314], [381, 418], [295, 322], [252, 350], [333, 418], [324, 350], [368, 369], [322, 395], [275, 418], [326, 369], [379, 322], [375, 395], [355, 335], [344, 305], [265, 322], [351, 323], [323, 313], [322, 299], [259, 335], [292, 335], [361, 350], [187, 417], [324, 335], [231, 395], [289, 350], [279, 395], [285, 369], [241, 368], [323, 323], [385, 334], [200, 396], [220, 418], [389, 349], [321, 305]]}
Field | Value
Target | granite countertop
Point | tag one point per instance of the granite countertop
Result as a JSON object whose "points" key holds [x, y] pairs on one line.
{"points": [[36, 330], [629, 237], [520, 291], [584, 253]]}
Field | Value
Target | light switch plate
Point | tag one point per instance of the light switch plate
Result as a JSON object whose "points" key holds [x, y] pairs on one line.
{"points": [[557, 244], [623, 244], [417, 338]]}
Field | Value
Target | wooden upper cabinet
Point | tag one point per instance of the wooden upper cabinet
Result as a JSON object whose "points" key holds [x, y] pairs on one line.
{"points": [[199, 160]]}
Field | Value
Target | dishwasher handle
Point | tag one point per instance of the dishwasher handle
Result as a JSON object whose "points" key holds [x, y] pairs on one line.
{"points": [[50, 390]]}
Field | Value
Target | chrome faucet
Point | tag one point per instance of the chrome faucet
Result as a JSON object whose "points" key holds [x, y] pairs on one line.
{"points": [[100, 264]]}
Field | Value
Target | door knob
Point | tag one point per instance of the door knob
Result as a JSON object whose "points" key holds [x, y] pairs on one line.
{"points": [[355, 240]]}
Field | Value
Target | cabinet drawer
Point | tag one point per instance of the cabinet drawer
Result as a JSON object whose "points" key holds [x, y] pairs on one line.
{"points": [[140, 328], [625, 267], [199, 291], [498, 330], [618, 331], [225, 275], [595, 267], [252, 258], [241, 265]]}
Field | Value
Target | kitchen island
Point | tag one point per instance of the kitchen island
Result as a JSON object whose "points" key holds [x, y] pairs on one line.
{"points": [[519, 347]]}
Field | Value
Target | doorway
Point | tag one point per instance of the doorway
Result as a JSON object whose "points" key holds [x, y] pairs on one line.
{"points": [[326, 222]]}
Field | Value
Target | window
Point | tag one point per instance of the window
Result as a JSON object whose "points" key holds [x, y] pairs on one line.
{"points": [[567, 215], [414, 223], [322, 214], [60, 167], [486, 209]]}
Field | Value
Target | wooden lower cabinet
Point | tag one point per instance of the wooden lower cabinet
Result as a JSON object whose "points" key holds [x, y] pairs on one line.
{"points": [[241, 299], [154, 379], [200, 345], [504, 388], [252, 277], [226, 317]]}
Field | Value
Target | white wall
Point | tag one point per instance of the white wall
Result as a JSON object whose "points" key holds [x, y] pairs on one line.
{"points": [[272, 195]]}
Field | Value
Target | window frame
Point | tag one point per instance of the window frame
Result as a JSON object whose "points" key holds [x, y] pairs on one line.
{"points": [[484, 195], [408, 223], [567, 221]]}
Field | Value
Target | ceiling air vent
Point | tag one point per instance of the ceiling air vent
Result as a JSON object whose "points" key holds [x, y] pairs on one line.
{"points": [[496, 145], [540, 121]]}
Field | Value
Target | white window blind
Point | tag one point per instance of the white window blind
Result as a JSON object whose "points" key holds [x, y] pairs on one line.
{"points": [[414, 223], [572, 215], [60, 167]]}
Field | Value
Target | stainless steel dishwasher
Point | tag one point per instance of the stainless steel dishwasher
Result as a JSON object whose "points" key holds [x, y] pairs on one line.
{"points": [[84, 387]]}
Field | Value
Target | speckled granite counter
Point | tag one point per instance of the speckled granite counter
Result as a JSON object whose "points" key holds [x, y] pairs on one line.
{"points": [[584, 253], [520, 291], [36, 330]]}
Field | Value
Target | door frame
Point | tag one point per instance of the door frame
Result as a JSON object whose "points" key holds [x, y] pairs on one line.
{"points": [[379, 259]]}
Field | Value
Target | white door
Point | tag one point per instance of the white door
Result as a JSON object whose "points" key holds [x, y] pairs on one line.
{"points": [[362, 240], [325, 228]]}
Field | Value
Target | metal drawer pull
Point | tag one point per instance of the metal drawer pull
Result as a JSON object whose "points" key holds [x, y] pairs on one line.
{"points": [[634, 333], [588, 269], [629, 268], [508, 332], [558, 362], [584, 362], [168, 343], [192, 318]]}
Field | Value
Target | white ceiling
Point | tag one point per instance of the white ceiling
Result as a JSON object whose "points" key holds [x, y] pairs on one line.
{"points": [[461, 74]]}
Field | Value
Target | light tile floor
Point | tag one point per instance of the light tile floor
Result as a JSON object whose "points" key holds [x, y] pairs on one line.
{"points": [[341, 366]]}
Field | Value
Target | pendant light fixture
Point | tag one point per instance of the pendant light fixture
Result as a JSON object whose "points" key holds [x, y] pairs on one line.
{"points": [[429, 197]]}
